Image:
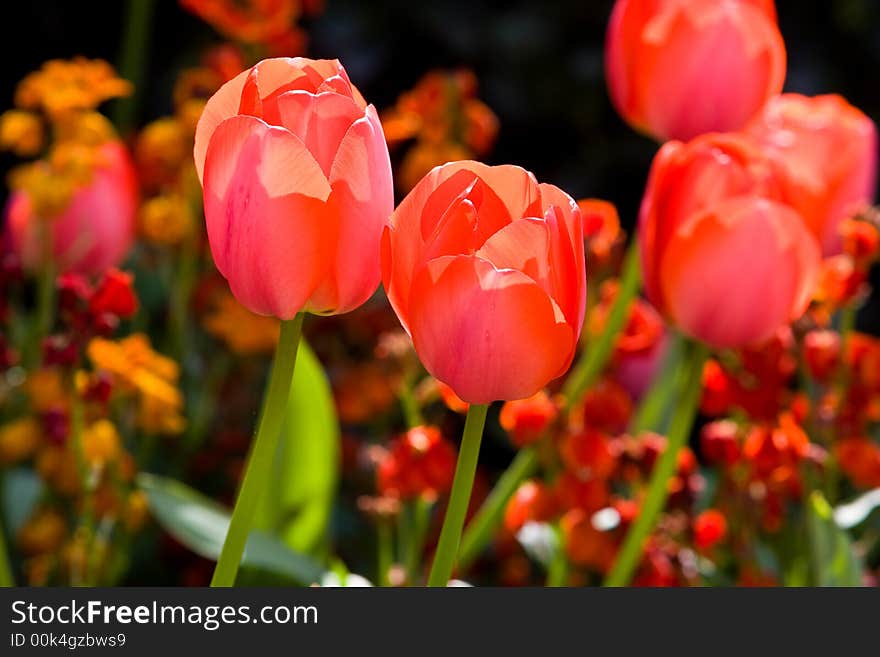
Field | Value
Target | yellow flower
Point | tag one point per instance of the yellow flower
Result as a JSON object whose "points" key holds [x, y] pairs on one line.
{"points": [[101, 443], [63, 86], [244, 332], [21, 132], [151, 375], [166, 219], [86, 128], [43, 532], [162, 147], [57, 466], [46, 391], [19, 439], [136, 509], [49, 193]]}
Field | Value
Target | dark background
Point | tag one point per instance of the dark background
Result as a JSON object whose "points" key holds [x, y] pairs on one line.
{"points": [[539, 65]]}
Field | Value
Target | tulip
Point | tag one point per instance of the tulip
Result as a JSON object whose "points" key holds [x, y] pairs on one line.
{"points": [[485, 269], [94, 231], [722, 256], [681, 68], [829, 149], [297, 187]]}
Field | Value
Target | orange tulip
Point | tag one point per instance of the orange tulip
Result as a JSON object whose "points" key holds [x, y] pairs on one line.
{"points": [[485, 269], [297, 187], [830, 151], [722, 256], [680, 68], [93, 231]]}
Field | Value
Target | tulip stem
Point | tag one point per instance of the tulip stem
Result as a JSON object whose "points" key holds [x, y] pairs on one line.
{"points": [[652, 414], [482, 527], [594, 359], [450, 535], [6, 576], [262, 452], [658, 488], [133, 59]]}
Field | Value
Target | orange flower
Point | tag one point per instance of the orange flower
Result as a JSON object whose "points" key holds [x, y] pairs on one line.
{"points": [[244, 332], [532, 502], [585, 545], [252, 21], [21, 132], [525, 420], [859, 458], [601, 230], [64, 86], [19, 440]]}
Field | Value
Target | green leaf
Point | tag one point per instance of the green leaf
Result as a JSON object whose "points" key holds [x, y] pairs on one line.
{"points": [[834, 563], [200, 524], [299, 495]]}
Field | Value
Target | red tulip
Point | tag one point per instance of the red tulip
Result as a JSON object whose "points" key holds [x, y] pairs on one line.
{"points": [[95, 230], [485, 269], [297, 187], [830, 151], [722, 257], [681, 68]]}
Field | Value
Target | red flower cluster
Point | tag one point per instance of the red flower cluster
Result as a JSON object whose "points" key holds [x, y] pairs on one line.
{"points": [[420, 463]]}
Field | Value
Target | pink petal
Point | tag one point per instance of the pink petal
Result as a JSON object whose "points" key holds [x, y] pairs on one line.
{"points": [[486, 333], [320, 121], [362, 200], [266, 215]]}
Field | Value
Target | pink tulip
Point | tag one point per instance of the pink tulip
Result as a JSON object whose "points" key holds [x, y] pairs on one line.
{"points": [[297, 187], [681, 68], [485, 270], [95, 230], [829, 149], [723, 258]]}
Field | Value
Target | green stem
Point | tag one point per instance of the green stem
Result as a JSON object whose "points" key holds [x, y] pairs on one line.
{"points": [[6, 577], [411, 411], [557, 573], [384, 550], [482, 526], [594, 359], [133, 59], [418, 517], [658, 488], [649, 416], [450, 535], [262, 452]]}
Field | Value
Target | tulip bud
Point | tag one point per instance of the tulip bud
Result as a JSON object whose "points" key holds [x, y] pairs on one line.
{"points": [[681, 68], [297, 187], [829, 151], [485, 270], [710, 207], [95, 229]]}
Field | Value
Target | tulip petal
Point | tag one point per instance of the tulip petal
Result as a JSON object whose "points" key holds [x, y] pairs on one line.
{"points": [[568, 274], [319, 120], [734, 274], [222, 105], [487, 333], [747, 58], [361, 202], [264, 206]]}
